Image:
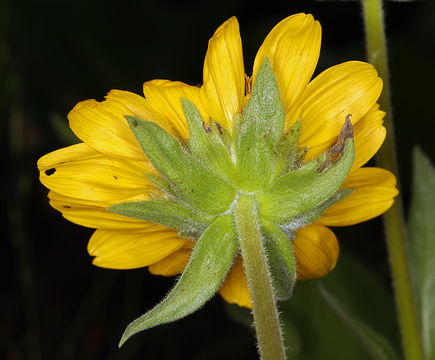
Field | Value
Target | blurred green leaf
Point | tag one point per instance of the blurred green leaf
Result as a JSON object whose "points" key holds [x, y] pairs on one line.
{"points": [[319, 333], [375, 344], [62, 130], [240, 315], [421, 230]]}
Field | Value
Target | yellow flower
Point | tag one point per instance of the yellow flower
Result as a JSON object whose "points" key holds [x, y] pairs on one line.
{"points": [[109, 166]]}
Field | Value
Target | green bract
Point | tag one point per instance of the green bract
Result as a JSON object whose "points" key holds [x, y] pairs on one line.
{"points": [[203, 181]]}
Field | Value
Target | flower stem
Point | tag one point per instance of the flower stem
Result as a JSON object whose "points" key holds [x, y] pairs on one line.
{"points": [[393, 219], [264, 308]]}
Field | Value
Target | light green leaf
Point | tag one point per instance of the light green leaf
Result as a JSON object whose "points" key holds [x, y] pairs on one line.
{"points": [[281, 259], [375, 344], [209, 263], [421, 229], [168, 213], [260, 131], [240, 315], [205, 143], [301, 190], [189, 180]]}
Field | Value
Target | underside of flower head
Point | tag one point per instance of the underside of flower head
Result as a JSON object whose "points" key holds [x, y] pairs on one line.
{"points": [[171, 166]]}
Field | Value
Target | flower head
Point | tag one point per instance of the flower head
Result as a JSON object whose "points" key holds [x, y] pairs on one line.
{"points": [[119, 161]]}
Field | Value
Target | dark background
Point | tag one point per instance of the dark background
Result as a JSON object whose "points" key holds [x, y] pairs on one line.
{"points": [[54, 303]]}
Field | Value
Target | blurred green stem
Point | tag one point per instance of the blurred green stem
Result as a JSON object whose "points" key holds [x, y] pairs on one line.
{"points": [[267, 327], [393, 219]]}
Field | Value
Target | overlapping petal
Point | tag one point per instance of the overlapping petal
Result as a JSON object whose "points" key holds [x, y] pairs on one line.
{"points": [[235, 287], [369, 134], [102, 125], [94, 214], [132, 249], [164, 97], [316, 251], [374, 192], [171, 265], [349, 88], [90, 175], [293, 48], [224, 75], [74, 152]]}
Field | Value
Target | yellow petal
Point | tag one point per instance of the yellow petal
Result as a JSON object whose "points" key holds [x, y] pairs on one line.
{"points": [[293, 48], [349, 88], [369, 134], [132, 249], [102, 125], [316, 251], [164, 97], [94, 176], [235, 287], [171, 265], [224, 75], [70, 153], [374, 192], [94, 214]]}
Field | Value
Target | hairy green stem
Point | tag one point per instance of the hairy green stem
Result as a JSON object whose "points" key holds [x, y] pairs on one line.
{"points": [[264, 308], [393, 219]]}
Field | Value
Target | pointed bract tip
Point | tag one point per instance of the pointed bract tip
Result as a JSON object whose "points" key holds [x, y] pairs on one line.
{"points": [[112, 208], [334, 153], [121, 343], [132, 120], [296, 127], [346, 132], [124, 338], [347, 128], [185, 102]]}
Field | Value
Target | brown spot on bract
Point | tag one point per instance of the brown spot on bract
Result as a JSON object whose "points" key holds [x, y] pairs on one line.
{"points": [[67, 207], [219, 128], [206, 128], [115, 177]]}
